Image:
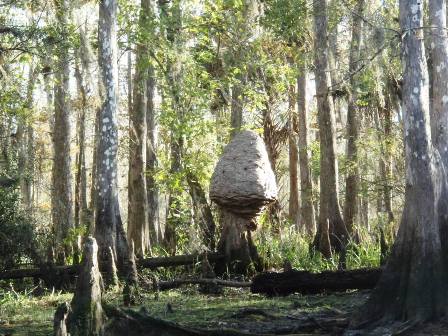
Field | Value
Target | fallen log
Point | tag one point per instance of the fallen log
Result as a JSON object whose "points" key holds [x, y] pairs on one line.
{"points": [[293, 281], [176, 283], [151, 263], [38, 272]]}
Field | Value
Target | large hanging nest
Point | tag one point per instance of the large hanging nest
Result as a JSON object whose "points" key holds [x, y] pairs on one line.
{"points": [[242, 184]]}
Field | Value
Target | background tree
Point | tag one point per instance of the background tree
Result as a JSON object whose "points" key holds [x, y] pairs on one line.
{"points": [[331, 231], [62, 213]]}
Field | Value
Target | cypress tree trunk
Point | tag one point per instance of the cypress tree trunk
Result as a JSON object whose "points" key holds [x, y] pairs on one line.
{"points": [[138, 229], [172, 19], [151, 161], [82, 74], [306, 185], [61, 200], [330, 213], [294, 206], [352, 179], [439, 53], [109, 231], [25, 142], [418, 257]]}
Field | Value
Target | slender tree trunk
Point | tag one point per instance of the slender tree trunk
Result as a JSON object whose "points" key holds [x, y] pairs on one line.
{"points": [[388, 160], [25, 142], [418, 256], [81, 175], [138, 229], [330, 213], [352, 179], [174, 79], [151, 161], [62, 214], [306, 185], [294, 206], [109, 230]]}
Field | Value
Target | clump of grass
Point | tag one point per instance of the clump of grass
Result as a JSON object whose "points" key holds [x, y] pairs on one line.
{"points": [[21, 313], [295, 247]]}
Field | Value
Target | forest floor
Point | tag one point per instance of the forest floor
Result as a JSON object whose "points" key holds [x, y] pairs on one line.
{"points": [[22, 314]]}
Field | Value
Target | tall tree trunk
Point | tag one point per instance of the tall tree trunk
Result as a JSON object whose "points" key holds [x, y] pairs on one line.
{"points": [[138, 229], [418, 256], [174, 79], [25, 142], [351, 182], [329, 213], [306, 186], [294, 205], [81, 208], [61, 200], [439, 48], [388, 160], [151, 161], [109, 231]]}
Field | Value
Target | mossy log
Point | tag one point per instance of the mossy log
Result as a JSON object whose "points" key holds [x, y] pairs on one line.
{"points": [[293, 281]]}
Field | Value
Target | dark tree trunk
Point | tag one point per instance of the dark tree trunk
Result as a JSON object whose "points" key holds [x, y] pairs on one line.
{"points": [[109, 231], [294, 203], [82, 74], [61, 200], [202, 211], [25, 143], [138, 228], [173, 16], [151, 161], [329, 212], [352, 179]]}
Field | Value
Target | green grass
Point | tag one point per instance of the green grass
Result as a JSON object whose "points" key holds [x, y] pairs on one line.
{"points": [[295, 247], [24, 314]]}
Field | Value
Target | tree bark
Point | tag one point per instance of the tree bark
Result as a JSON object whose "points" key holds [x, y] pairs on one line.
{"points": [[109, 230], [237, 246], [151, 161], [82, 74], [25, 143], [418, 256], [329, 213], [294, 203], [202, 211], [173, 15], [439, 53], [61, 200], [138, 228], [306, 186], [352, 178]]}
